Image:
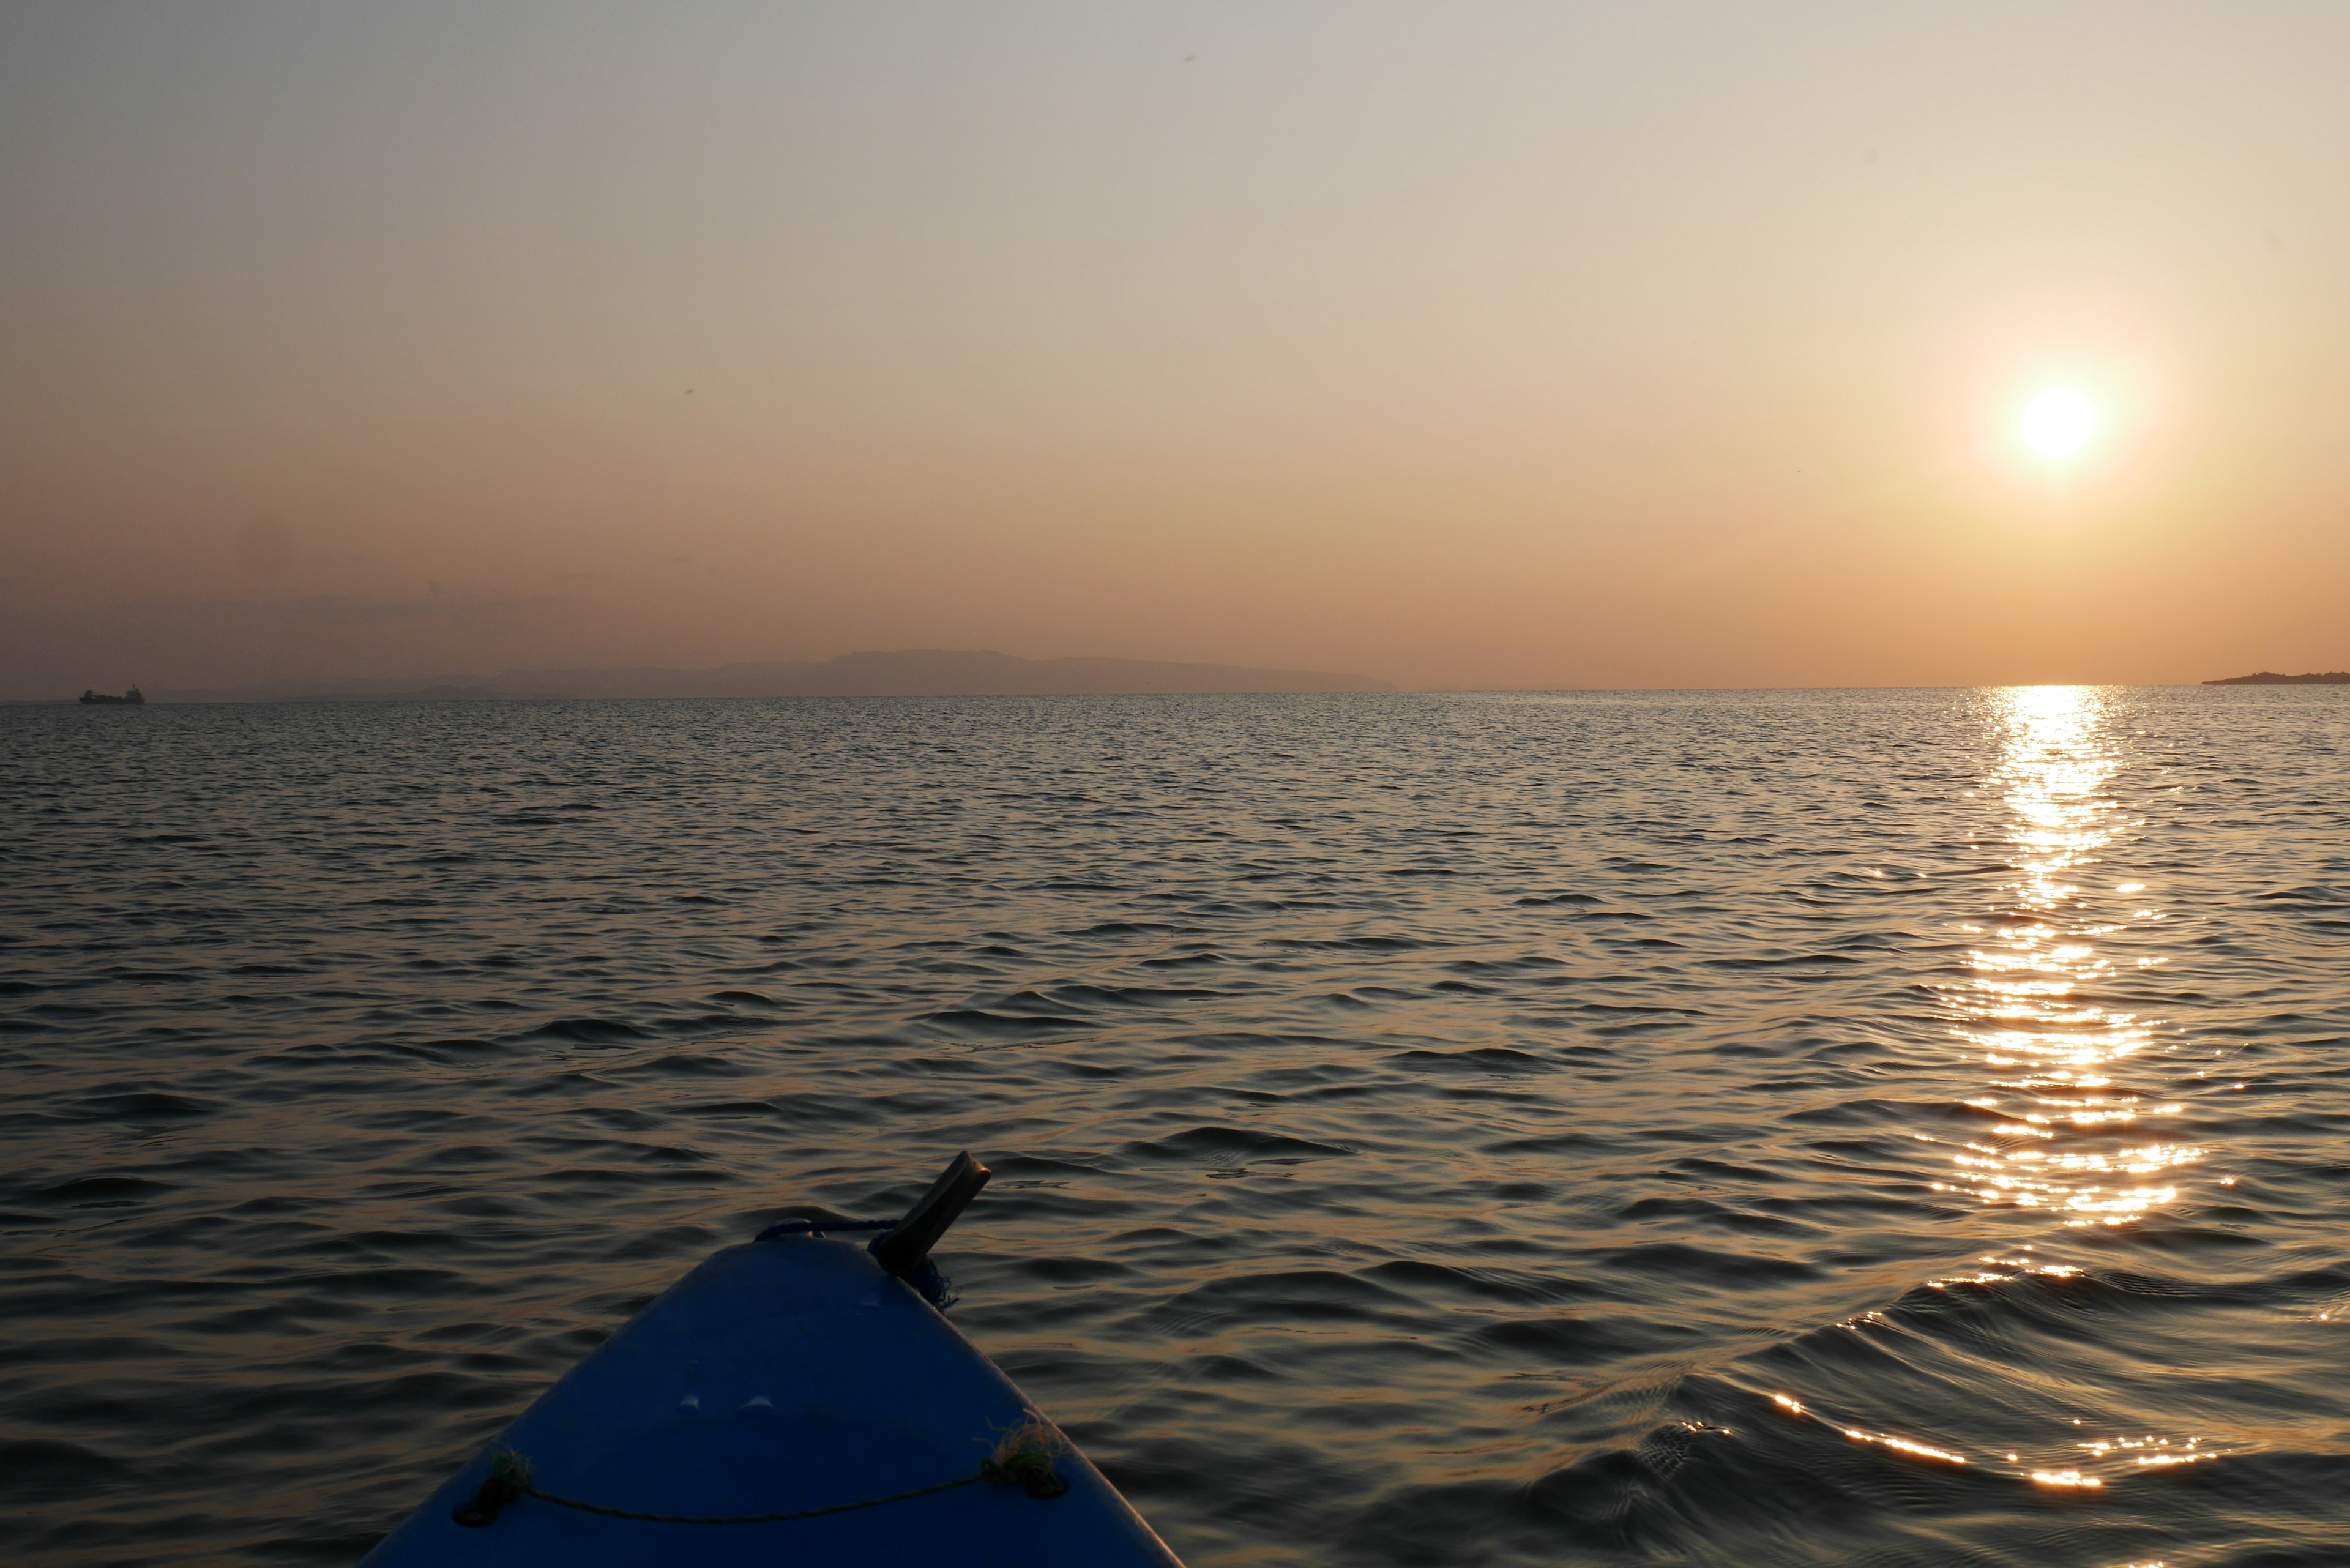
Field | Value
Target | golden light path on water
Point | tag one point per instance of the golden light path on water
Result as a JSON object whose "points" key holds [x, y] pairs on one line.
{"points": [[2052, 1050], [2057, 1133]]}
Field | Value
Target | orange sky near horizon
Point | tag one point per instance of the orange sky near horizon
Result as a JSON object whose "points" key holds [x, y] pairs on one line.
{"points": [[1461, 346]]}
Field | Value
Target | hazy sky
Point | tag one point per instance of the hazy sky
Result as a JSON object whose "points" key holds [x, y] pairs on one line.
{"points": [[1547, 345]]}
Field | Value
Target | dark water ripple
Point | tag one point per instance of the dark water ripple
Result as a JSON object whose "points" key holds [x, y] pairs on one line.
{"points": [[1756, 1128]]}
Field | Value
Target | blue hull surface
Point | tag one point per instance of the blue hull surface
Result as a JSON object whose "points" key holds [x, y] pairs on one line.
{"points": [[778, 1376]]}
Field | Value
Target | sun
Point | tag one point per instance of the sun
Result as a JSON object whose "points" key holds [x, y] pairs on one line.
{"points": [[2060, 421]]}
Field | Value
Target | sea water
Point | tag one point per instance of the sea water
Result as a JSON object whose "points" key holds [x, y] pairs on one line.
{"points": [[1746, 1128]]}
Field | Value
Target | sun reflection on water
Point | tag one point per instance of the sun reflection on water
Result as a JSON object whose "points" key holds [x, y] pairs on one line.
{"points": [[2055, 1127], [2030, 1008]]}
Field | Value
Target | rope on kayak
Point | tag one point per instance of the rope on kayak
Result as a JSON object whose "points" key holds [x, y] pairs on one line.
{"points": [[1023, 1459], [818, 1227], [573, 1502], [925, 1278]]}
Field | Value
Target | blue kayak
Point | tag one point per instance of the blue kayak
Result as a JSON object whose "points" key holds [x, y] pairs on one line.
{"points": [[793, 1400]]}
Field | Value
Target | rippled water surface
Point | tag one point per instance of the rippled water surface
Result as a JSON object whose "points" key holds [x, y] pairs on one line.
{"points": [[1747, 1129]]}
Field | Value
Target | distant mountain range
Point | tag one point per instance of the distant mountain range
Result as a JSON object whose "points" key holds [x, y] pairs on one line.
{"points": [[917, 672], [2268, 678]]}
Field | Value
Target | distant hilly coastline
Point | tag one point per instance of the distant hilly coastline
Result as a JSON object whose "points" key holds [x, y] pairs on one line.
{"points": [[917, 672], [2270, 678]]}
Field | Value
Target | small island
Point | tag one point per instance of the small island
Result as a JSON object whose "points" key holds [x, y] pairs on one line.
{"points": [[2270, 678]]}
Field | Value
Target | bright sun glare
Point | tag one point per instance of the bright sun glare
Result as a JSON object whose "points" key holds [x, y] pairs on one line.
{"points": [[2059, 421]]}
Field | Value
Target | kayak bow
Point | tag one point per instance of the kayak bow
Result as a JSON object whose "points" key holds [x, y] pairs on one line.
{"points": [[796, 1398]]}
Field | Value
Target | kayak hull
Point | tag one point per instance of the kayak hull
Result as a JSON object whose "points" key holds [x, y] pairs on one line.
{"points": [[778, 1376]]}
